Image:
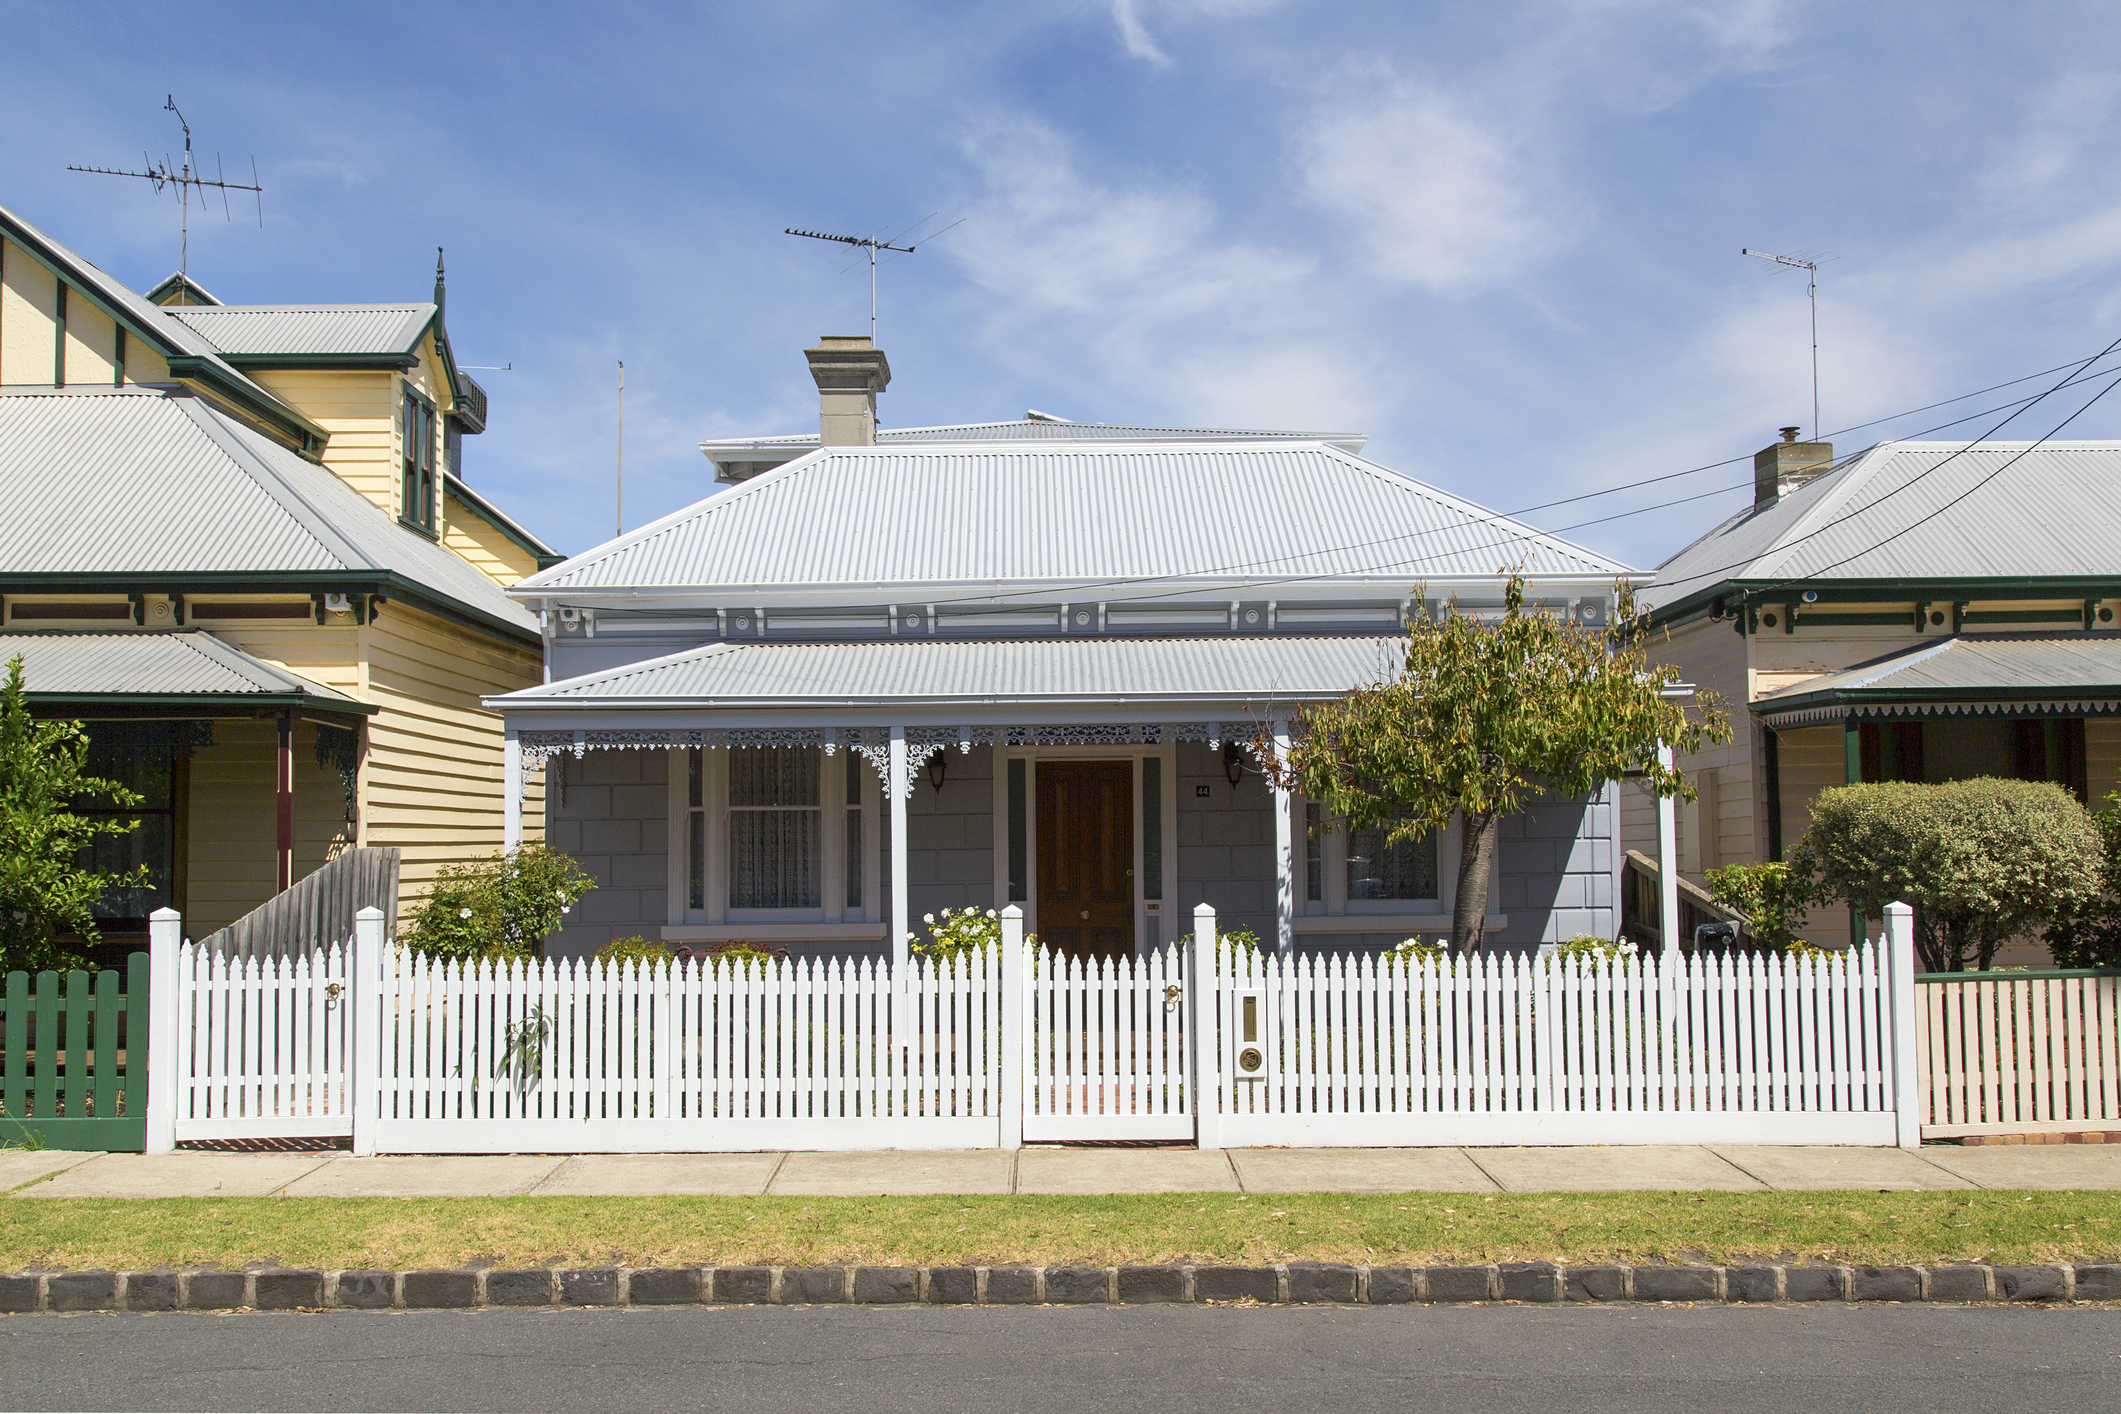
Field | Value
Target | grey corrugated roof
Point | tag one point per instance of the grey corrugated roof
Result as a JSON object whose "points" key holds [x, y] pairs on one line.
{"points": [[2050, 512], [185, 662], [260, 329], [1260, 670], [1086, 517], [140, 480], [1042, 429], [1969, 667]]}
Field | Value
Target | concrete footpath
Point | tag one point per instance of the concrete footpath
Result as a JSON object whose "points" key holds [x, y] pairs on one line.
{"points": [[1725, 1168]]}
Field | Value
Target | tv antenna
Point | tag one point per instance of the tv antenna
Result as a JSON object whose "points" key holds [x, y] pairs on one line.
{"points": [[870, 245], [1811, 270], [184, 178]]}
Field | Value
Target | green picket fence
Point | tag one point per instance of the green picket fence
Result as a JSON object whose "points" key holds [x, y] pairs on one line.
{"points": [[65, 1040]]}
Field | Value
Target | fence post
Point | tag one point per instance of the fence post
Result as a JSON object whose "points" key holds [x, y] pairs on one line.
{"points": [[1010, 1134], [1898, 945], [1201, 1020], [163, 1013], [364, 1056]]}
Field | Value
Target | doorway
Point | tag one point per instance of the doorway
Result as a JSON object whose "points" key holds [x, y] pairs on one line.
{"points": [[1086, 858]]}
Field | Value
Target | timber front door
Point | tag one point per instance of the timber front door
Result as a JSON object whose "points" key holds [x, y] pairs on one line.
{"points": [[1086, 857]]}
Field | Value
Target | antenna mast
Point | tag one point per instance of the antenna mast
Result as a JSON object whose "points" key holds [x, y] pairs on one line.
{"points": [[869, 246], [620, 522], [1811, 269], [184, 178]]}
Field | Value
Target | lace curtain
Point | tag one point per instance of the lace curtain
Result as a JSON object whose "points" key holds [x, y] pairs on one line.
{"points": [[1379, 870], [775, 827]]}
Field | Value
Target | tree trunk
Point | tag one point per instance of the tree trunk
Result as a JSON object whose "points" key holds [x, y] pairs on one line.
{"points": [[1476, 860]]}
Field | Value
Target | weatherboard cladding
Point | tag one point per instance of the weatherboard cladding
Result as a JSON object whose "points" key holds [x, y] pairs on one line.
{"points": [[1918, 510], [1262, 670], [188, 662], [148, 481], [258, 329], [1097, 517]]}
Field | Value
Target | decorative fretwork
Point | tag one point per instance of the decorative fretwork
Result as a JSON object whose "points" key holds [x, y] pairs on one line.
{"points": [[872, 743]]}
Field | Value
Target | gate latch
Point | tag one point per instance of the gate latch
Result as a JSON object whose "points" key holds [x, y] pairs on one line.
{"points": [[1172, 991]]}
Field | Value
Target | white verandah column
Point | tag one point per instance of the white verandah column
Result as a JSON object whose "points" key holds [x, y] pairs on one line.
{"points": [[1667, 864], [1284, 855], [896, 788], [512, 789]]}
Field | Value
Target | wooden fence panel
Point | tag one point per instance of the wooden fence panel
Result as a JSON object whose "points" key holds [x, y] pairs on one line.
{"points": [[73, 1058], [2019, 1053]]}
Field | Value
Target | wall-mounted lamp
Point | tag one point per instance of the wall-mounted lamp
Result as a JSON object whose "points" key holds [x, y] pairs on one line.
{"points": [[937, 765], [1233, 762]]}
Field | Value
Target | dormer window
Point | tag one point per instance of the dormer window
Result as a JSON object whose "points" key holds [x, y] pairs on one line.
{"points": [[418, 506]]}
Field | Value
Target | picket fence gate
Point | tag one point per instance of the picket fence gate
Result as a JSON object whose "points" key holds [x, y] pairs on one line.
{"points": [[2020, 1053], [414, 1055]]}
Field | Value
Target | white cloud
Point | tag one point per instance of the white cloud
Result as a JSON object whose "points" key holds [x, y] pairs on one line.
{"points": [[1160, 310], [1134, 34], [1438, 199]]}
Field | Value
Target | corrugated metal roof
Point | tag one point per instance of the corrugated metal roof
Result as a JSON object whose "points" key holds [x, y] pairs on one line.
{"points": [[254, 329], [1047, 670], [1090, 517], [1043, 429], [185, 662], [149, 480], [1918, 510], [1972, 665]]}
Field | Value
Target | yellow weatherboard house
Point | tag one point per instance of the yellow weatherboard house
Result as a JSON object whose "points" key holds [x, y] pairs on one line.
{"points": [[241, 549]]}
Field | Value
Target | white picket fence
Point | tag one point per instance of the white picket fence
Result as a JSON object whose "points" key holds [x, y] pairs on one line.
{"points": [[1541, 1050], [413, 1055], [2005, 1053]]}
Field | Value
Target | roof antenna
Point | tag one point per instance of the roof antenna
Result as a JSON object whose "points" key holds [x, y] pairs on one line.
{"points": [[184, 178], [870, 245], [1811, 269]]}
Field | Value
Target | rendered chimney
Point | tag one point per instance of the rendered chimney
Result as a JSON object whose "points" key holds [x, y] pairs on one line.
{"points": [[1782, 467], [850, 371]]}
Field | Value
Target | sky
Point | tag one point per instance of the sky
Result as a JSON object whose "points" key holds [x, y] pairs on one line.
{"points": [[1502, 239]]}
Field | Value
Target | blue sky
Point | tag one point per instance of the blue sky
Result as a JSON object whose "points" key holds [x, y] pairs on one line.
{"points": [[1502, 239]]}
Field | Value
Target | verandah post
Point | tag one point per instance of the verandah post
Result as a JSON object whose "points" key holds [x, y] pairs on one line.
{"points": [[1284, 855], [165, 933], [1010, 1055], [1201, 1004], [1898, 945], [512, 789], [364, 1052], [897, 787], [1668, 939]]}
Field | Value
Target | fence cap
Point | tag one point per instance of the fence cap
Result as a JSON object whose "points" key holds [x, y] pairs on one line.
{"points": [[369, 912], [1204, 910], [164, 915]]}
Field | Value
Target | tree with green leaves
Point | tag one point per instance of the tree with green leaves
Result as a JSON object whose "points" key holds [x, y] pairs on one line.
{"points": [[1770, 896], [1980, 861], [499, 907], [2088, 934], [1485, 717], [46, 891]]}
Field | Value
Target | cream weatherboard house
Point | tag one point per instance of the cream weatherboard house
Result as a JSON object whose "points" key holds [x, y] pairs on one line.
{"points": [[1922, 611], [240, 546], [895, 671]]}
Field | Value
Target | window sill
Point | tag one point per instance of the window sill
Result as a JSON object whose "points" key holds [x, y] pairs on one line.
{"points": [[1402, 923], [416, 528], [774, 932]]}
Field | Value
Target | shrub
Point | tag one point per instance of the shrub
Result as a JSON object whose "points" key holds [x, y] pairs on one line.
{"points": [[44, 888], [1415, 950], [634, 949], [1768, 895], [1239, 942], [1978, 860], [741, 953], [958, 933], [2089, 934], [499, 907], [1594, 950]]}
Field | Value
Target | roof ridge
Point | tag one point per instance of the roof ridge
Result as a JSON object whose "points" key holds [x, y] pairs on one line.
{"points": [[314, 522]]}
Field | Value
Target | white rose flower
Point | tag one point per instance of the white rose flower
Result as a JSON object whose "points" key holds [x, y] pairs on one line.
{"points": [[463, 913], [990, 913], [929, 918]]}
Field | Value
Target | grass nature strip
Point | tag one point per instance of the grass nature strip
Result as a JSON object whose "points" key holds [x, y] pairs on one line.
{"points": [[1416, 1228]]}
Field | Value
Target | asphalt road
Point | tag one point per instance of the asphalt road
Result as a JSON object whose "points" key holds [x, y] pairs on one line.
{"points": [[1466, 1360]]}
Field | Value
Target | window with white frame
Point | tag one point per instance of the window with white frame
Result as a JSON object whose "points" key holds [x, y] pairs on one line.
{"points": [[771, 834], [1380, 869], [776, 828]]}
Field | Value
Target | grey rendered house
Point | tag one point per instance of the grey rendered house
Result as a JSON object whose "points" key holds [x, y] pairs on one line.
{"points": [[892, 672], [1923, 611]]}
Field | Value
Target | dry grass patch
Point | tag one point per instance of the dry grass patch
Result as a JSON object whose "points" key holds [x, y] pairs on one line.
{"points": [[1415, 1228]]}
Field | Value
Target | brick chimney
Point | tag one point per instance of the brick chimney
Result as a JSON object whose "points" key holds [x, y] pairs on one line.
{"points": [[1784, 466], [850, 371]]}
